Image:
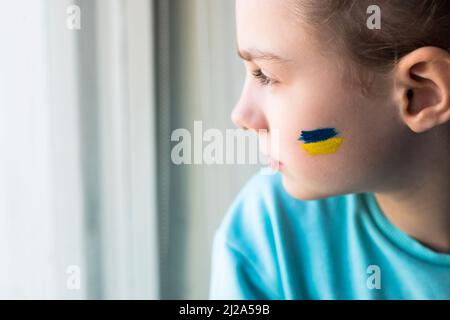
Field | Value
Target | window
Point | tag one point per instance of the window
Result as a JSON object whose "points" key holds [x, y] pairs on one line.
{"points": [[91, 205]]}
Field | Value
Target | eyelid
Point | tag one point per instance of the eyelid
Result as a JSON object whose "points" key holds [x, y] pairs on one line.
{"points": [[261, 77], [264, 78]]}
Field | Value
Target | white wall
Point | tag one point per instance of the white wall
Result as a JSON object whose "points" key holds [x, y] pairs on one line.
{"points": [[200, 78], [41, 220], [77, 150], [82, 116]]}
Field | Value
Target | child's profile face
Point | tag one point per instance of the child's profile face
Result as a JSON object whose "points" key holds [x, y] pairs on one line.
{"points": [[293, 86]]}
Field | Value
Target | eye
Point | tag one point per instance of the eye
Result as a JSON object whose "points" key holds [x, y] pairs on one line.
{"points": [[262, 78]]}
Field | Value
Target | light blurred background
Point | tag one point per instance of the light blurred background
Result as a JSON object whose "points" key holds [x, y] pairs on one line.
{"points": [[91, 206]]}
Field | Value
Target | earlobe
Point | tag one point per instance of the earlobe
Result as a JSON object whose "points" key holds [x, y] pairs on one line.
{"points": [[423, 88]]}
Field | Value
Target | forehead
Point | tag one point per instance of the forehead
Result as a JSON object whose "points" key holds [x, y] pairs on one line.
{"points": [[270, 26]]}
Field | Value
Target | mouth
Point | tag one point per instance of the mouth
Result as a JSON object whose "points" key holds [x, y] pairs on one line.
{"points": [[275, 164], [265, 150]]}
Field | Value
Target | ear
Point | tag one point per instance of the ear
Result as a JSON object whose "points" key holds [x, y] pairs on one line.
{"points": [[423, 88]]}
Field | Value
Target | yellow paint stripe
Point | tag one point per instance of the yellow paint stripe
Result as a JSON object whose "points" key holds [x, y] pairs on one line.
{"points": [[323, 147]]}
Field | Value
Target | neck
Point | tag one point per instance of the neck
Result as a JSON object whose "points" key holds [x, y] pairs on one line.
{"points": [[420, 205]]}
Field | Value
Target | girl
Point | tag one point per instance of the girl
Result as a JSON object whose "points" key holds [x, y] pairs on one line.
{"points": [[360, 206]]}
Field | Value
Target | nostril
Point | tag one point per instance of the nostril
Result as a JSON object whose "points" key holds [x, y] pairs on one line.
{"points": [[410, 94]]}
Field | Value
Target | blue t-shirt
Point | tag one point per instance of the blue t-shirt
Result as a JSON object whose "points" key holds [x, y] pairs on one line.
{"points": [[273, 246]]}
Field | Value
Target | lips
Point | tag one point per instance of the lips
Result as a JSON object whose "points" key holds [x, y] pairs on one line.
{"points": [[275, 164], [264, 149]]}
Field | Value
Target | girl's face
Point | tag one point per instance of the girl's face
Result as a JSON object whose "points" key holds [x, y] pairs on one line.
{"points": [[292, 86]]}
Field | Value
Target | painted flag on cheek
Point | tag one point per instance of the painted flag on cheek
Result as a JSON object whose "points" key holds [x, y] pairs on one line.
{"points": [[321, 141]]}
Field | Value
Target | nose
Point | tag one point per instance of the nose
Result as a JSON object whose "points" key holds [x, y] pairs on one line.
{"points": [[248, 115]]}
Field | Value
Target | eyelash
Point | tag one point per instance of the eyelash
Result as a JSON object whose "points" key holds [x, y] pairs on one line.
{"points": [[262, 78]]}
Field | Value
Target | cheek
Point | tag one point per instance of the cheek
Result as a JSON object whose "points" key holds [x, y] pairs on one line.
{"points": [[309, 128], [353, 161], [317, 172]]}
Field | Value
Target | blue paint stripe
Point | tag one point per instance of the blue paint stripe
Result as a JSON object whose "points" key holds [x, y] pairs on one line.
{"points": [[318, 135]]}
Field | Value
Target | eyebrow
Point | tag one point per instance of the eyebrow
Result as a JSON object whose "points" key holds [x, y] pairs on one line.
{"points": [[255, 55]]}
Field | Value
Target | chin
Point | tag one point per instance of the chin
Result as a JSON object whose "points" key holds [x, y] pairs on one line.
{"points": [[301, 192]]}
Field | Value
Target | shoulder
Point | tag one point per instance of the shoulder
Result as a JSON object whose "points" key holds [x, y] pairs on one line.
{"points": [[253, 208], [262, 229], [263, 206]]}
